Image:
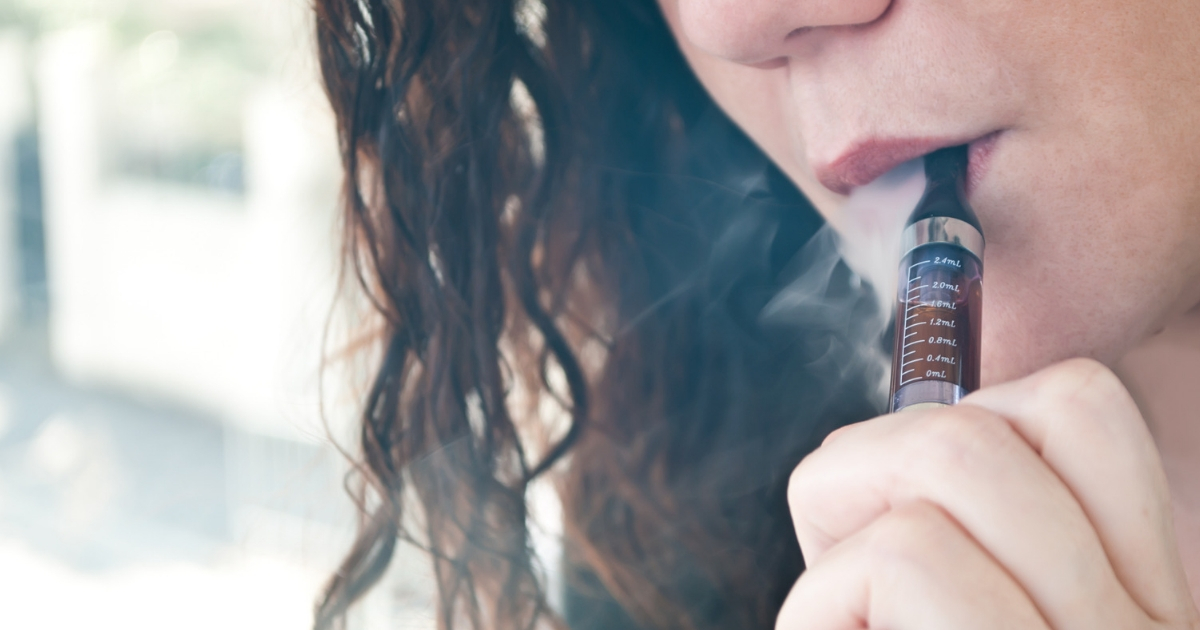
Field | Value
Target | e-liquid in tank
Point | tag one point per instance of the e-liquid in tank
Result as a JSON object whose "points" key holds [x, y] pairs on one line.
{"points": [[940, 292]]}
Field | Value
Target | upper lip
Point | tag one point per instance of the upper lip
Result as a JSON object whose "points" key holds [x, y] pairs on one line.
{"points": [[868, 159]]}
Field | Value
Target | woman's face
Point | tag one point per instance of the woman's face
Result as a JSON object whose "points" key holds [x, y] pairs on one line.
{"points": [[1084, 123]]}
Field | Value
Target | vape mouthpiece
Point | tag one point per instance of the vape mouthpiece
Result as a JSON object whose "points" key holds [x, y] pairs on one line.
{"points": [[947, 164], [940, 292]]}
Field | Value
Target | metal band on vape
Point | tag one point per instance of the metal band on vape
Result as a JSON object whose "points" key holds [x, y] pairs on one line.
{"points": [[927, 394], [942, 230]]}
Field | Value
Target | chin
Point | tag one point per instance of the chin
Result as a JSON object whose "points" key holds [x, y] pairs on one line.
{"points": [[1002, 365], [1016, 346], [1012, 352]]}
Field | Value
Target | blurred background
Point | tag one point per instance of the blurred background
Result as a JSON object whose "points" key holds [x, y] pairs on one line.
{"points": [[168, 262]]}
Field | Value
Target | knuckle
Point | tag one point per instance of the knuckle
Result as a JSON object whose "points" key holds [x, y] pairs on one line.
{"points": [[1083, 396], [1085, 380], [797, 489], [837, 433], [904, 538], [801, 480], [952, 441]]}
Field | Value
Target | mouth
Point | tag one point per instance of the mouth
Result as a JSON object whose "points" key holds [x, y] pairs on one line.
{"points": [[870, 158]]}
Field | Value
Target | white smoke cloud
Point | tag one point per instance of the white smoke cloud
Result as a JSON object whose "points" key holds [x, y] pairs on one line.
{"points": [[867, 246], [875, 214]]}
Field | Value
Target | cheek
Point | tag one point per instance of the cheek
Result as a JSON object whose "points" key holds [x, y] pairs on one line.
{"points": [[758, 100], [1088, 253]]}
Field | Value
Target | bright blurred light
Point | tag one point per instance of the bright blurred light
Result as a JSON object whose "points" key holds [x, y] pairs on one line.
{"points": [[166, 463], [59, 448], [251, 594], [158, 52], [6, 421]]}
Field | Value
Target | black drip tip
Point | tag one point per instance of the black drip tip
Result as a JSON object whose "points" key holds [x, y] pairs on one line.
{"points": [[945, 187], [948, 163]]}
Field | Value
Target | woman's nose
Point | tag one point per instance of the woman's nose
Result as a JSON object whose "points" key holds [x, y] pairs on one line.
{"points": [[758, 31]]}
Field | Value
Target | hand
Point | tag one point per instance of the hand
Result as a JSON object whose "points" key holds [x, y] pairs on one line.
{"points": [[1036, 504]]}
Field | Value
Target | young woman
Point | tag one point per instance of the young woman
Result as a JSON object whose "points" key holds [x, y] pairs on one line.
{"points": [[597, 202]]}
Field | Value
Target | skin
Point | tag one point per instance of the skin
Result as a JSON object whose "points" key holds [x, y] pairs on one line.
{"points": [[1051, 498]]}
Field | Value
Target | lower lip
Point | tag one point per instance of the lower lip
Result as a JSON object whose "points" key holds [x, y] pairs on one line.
{"points": [[979, 156]]}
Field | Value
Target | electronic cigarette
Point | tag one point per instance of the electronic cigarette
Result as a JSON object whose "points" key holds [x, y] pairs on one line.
{"points": [[940, 292]]}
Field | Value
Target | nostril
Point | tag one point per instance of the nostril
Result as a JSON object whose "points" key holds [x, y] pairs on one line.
{"points": [[799, 31], [760, 33]]}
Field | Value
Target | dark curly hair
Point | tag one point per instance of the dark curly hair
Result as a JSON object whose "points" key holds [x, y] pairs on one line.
{"points": [[543, 204]]}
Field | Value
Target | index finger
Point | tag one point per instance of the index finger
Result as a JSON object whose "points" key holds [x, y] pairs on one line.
{"points": [[1078, 416], [972, 463]]}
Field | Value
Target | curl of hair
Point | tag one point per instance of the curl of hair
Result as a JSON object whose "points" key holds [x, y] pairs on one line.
{"points": [[497, 240]]}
